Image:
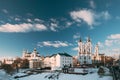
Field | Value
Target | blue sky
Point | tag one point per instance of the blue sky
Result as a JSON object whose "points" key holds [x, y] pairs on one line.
{"points": [[54, 26]]}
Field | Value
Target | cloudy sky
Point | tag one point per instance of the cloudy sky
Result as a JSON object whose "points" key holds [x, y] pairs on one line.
{"points": [[54, 26]]}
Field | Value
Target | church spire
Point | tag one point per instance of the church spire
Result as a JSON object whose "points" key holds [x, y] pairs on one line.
{"points": [[80, 40], [88, 39]]}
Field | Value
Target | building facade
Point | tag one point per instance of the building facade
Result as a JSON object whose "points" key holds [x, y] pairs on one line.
{"points": [[34, 58], [96, 56], [58, 61], [85, 52], [8, 60], [47, 61]]}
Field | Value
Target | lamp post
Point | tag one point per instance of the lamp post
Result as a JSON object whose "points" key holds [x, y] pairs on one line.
{"points": [[104, 60], [119, 61]]}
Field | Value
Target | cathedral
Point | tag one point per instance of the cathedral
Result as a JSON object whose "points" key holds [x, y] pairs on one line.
{"points": [[34, 58], [85, 55], [29, 55]]}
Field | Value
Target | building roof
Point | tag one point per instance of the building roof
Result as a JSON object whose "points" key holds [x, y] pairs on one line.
{"points": [[29, 53], [62, 54]]}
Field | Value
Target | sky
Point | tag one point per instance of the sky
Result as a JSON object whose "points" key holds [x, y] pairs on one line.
{"points": [[54, 26]]}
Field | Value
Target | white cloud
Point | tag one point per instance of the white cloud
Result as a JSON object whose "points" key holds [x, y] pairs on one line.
{"points": [[106, 15], [17, 19], [112, 39], [29, 20], [5, 11], [108, 42], [53, 20], [76, 36], [55, 44], [86, 15], [92, 4], [24, 27], [75, 49], [111, 44], [53, 26], [69, 24], [38, 20], [40, 27], [116, 50], [115, 53], [89, 16], [100, 44], [114, 36]]}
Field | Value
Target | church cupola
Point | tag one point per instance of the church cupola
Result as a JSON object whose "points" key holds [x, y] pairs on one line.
{"points": [[35, 49]]}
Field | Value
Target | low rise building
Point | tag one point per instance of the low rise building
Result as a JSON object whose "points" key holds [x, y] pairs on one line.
{"points": [[0, 63], [47, 61], [8, 60], [58, 61]]}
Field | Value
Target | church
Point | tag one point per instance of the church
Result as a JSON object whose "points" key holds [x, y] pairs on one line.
{"points": [[85, 55], [34, 58]]}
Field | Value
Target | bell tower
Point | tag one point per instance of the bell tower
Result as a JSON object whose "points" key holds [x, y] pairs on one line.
{"points": [[80, 44]]}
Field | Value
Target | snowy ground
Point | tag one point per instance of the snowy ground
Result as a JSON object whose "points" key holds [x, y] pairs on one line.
{"points": [[62, 76], [4, 76]]}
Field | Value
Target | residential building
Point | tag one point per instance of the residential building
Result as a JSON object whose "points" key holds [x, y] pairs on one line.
{"points": [[8, 60], [58, 61], [75, 61], [0, 63], [47, 61], [119, 61]]}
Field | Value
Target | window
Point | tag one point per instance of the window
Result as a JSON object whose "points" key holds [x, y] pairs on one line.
{"points": [[89, 57], [85, 57]]}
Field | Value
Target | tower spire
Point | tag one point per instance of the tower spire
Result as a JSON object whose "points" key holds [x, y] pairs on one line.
{"points": [[88, 39], [80, 40]]}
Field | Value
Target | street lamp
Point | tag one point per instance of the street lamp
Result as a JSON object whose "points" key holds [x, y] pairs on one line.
{"points": [[104, 60]]}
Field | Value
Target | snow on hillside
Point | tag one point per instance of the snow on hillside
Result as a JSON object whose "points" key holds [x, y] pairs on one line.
{"points": [[4, 76], [62, 76]]}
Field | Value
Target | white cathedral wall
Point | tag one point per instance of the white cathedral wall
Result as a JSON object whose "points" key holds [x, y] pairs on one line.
{"points": [[58, 60]]}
